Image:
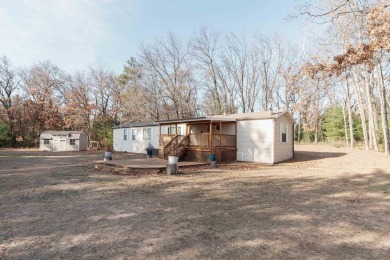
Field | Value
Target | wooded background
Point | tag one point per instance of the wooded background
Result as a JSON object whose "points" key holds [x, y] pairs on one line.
{"points": [[337, 89]]}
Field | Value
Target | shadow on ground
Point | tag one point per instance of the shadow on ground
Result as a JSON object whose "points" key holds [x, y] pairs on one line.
{"points": [[56, 208]]}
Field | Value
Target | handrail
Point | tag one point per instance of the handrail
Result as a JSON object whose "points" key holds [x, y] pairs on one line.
{"points": [[171, 141], [185, 137]]}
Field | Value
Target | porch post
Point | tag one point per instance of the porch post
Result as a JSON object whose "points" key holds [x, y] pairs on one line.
{"points": [[220, 133], [211, 135], [159, 135], [235, 131]]}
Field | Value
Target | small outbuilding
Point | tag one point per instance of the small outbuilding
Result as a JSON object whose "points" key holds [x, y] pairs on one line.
{"points": [[63, 141]]}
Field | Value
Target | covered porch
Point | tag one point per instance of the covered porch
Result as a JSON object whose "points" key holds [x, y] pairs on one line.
{"points": [[196, 139]]}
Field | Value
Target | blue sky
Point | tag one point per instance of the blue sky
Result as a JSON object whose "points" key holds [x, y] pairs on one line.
{"points": [[75, 33]]}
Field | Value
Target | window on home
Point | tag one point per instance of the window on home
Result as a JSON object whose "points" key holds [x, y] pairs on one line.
{"points": [[283, 132], [147, 134], [133, 134], [124, 134], [72, 142], [45, 141], [172, 130]]}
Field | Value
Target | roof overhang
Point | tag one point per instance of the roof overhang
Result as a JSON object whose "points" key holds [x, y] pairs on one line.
{"points": [[197, 120]]}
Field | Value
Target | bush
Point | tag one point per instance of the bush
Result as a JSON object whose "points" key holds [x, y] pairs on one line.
{"points": [[5, 135]]}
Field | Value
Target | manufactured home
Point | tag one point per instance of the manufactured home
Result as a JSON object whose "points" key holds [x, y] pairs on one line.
{"points": [[63, 141], [135, 137], [265, 137]]}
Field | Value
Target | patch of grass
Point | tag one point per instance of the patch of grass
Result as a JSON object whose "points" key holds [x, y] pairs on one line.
{"points": [[58, 195], [382, 188]]}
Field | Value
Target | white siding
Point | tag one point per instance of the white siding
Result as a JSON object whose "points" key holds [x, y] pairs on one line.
{"points": [[255, 140], [134, 146], [284, 150], [45, 147], [62, 143]]}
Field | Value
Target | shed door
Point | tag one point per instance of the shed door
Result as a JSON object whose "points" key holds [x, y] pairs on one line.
{"points": [[59, 145], [62, 145]]}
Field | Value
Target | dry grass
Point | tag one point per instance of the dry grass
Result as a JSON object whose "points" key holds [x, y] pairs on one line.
{"points": [[327, 203]]}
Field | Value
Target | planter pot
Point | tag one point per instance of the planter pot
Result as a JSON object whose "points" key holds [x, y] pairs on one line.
{"points": [[107, 156], [149, 153], [213, 164], [173, 159], [212, 157]]}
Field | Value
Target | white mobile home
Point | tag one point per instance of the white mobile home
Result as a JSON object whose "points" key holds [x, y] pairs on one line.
{"points": [[265, 137], [63, 141], [135, 137]]}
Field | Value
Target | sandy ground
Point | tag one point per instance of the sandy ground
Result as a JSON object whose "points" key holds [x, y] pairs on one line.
{"points": [[328, 203]]}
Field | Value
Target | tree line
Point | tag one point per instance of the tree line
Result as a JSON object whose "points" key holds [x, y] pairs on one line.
{"points": [[214, 73]]}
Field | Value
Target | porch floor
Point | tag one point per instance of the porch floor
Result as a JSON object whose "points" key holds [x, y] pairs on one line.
{"points": [[152, 164]]}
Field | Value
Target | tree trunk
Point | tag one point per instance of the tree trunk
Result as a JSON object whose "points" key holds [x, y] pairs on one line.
{"points": [[382, 97], [350, 120], [361, 111], [371, 124], [345, 125]]}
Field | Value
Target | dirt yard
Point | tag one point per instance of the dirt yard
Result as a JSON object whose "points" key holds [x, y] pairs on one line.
{"points": [[328, 203]]}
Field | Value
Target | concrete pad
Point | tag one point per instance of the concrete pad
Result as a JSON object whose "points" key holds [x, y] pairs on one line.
{"points": [[151, 163]]}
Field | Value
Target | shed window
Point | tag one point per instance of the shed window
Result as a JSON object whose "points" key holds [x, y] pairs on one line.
{"points": [[72, 142], [125, 134], [46, 141], [133, 134], [147, 134], [283, 132]]}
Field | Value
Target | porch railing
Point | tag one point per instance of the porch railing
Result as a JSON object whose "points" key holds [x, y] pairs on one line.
{"points": [[199, 140], [166, 138], [176, 146], [218, 140]]}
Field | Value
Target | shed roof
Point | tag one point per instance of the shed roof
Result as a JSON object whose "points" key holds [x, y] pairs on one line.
{"points": [[75, 135], [136, 124]]}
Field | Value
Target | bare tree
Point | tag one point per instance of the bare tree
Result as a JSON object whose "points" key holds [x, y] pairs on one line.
{"points": [[169, 59], [8, 85]]}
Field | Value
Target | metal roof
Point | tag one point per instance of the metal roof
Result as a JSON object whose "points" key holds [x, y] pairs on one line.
{"points": [[75, 135], [231, 117], [136, 124], [228, 118]]}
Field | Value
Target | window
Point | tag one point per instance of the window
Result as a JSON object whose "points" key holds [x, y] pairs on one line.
{"points": [[147, 134], [124, 134], [283, 132], [46, 141], [133, 134], [172, 130], [72, 142]]}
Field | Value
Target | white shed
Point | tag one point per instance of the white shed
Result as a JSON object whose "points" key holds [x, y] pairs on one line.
{"points": [[63, 141], [135, 137]]}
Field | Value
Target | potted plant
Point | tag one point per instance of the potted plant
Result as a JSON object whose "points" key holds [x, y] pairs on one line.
{"points": [[213, 158]]}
